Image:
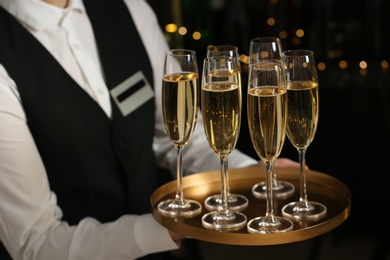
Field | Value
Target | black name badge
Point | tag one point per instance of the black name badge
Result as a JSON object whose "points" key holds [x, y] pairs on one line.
{"points": [[132, 93]]}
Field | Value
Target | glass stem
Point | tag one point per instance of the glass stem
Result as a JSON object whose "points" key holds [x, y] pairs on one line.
{"points": [[270, 217], [303, 201], [179, 176], [274, 180], [224, 184], [227, 178]]}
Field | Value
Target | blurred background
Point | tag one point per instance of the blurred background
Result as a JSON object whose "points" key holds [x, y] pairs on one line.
{"points": [[351, 42]]}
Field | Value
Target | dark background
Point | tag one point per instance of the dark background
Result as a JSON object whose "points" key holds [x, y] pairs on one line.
{"points": [[352, 141]]}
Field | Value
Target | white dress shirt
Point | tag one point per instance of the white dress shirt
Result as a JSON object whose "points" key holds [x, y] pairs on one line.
{"points": [[30, 219]]}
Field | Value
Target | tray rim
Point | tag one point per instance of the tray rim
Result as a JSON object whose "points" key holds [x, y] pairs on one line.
{"points": [[233, 238]]}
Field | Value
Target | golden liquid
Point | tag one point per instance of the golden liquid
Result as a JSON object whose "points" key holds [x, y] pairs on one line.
{"points": [[180, 106], [221, 110], [303, 108], [267, 116]]}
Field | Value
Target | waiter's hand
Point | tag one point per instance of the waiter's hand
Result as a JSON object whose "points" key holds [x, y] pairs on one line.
{"points": [[176, 237]]}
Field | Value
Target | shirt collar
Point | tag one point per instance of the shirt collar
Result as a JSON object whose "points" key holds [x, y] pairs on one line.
{"points": [[39, 15]]}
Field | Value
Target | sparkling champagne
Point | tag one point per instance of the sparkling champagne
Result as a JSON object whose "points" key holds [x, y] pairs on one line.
{"points": [[180, 106], [303, 108], [221, 109], [267, 116]]}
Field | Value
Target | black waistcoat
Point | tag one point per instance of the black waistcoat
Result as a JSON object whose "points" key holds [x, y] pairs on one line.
{"points": [[97, 167]]}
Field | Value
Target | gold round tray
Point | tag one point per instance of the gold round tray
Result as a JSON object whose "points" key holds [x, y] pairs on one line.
{"points": [[320, 187]]}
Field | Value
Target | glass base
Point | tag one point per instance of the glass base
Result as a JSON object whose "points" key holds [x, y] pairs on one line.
{"points": [[283, 190], [187, 209], [260, 225], [304, 211], [235, 202], [224, 220]]}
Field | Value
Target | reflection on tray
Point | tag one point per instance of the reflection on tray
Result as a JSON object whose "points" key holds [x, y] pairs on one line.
{"points": [[320, 187]]}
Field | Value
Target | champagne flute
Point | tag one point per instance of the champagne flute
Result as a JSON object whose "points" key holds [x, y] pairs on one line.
{"points": [[263, 48], [221, 109], [303, 111], [180, 110], [236, 202], [267, 116]]}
